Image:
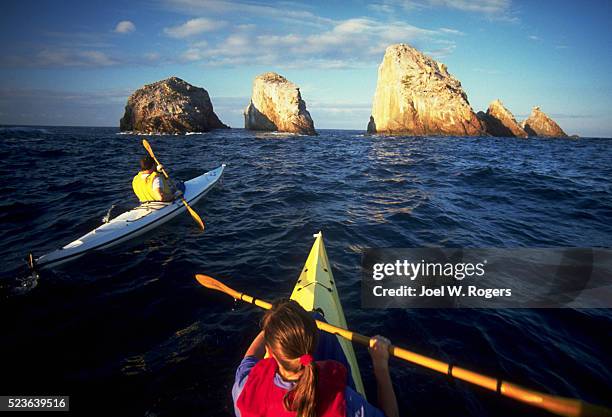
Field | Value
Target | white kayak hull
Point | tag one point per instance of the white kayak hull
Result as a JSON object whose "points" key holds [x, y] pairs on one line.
{"points": [[132, 223]]}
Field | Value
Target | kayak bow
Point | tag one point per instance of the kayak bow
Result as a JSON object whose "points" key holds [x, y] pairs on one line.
{"points": [[316, 290]]}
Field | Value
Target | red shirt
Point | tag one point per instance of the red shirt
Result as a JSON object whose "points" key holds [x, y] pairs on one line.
{"points": [[261, 397]]}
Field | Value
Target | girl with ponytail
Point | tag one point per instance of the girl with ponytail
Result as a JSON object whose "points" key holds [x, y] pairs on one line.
{"points": [[290, 383]]}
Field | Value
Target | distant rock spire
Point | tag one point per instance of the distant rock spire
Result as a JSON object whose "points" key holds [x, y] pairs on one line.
{"points": [[539, 124], [169, 106], [498, 121], [416, 95], [277, 105]]}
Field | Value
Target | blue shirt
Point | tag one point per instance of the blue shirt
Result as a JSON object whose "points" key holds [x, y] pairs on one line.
{"points": [[356, 405]]}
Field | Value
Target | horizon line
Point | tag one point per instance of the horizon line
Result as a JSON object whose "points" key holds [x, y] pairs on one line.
{"points": [[242, 128]]}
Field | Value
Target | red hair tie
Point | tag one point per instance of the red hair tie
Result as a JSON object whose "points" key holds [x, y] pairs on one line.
{"points": [[305, 360]]}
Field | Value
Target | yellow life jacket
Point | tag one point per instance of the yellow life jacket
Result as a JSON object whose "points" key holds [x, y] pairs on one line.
{"points": [[143, 187]]}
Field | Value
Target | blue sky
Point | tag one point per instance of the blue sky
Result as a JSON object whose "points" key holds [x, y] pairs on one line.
{"points": [[76, 62]]}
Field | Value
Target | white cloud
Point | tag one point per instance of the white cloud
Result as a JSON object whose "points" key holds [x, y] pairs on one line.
{"points": [[199, 44], [276, 40], [281, 12], [381, 8], [97, 58], [357, 42], [193, 54], [361, 39], [480, 6], [194, 27], [290, 35], [237, 42], [125, 26], [441, 52], [246, 26], [451, 31], [64, 57], [49, 56], [350, 43], [534, 38], [152, 56], [491, 9]]}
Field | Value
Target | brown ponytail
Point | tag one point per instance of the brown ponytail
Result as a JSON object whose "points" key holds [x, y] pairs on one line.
{"points": [[290, 332]]}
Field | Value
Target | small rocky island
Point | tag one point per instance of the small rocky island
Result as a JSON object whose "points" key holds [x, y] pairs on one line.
{"points": [[498, 121], [539, 124], [277, 105], [169, 106], [416, 96]]}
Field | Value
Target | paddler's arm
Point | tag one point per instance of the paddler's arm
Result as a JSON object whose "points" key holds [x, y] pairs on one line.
{"points": [[156, 190], [379, 351], [257, 348], [254, 354]]}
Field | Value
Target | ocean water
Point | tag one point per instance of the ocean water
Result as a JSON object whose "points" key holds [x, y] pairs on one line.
{"points": [[128, 331]]}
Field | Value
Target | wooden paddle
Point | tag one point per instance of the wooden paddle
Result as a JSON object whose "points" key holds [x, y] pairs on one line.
{"points": [[562, 406], [191, 211]]}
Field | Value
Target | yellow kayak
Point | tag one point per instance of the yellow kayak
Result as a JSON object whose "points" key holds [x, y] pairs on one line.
{"points": [[316, 290]]}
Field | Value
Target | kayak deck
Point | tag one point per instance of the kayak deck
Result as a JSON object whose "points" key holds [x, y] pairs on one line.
{"points": [[316, 290]]}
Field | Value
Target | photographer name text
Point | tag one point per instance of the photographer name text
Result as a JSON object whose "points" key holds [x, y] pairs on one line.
{"points": [[442, 291]]}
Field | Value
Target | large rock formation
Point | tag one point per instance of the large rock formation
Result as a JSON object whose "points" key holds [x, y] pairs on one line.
{"points": [[276, 105], [169, 106], [416, 95], [539, 124], [498, 121]]}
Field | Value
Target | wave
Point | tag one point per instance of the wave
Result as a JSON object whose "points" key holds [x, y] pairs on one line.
{"points": [[260, 134], [131, 133], [28, 129], [67, 186]]}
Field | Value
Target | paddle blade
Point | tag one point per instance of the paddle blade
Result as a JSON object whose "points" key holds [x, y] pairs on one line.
{"points": [[146, 145], [213, 284], [195, 215]]}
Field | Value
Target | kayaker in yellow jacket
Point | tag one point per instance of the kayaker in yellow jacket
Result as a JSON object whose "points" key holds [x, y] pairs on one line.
{"points": [[149, 184]]}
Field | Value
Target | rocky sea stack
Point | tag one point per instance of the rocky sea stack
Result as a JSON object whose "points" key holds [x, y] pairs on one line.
{"points": [[498, 121], [276, 105], [539, 124], [169, 106], [416, 95]]}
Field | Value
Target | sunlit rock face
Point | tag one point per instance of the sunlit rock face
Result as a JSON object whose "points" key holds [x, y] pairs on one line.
{"points": [[277, 105], [539, 124], [498, 121], [169, 106], [415, 95]]}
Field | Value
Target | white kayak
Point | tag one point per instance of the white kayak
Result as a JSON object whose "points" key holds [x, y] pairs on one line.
{"points": [[130, 224]]}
